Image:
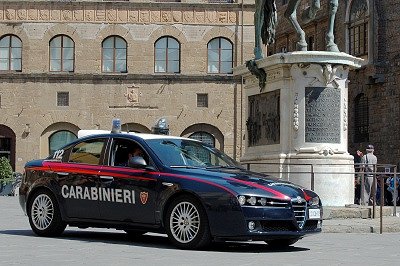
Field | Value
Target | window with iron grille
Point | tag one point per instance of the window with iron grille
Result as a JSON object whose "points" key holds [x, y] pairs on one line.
{"points": [[202, 100], [10, 53], [62, 54], [62, 98], [358, 28], [204, 137], [361, 119]]}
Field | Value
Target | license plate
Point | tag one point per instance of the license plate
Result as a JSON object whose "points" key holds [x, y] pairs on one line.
{"points": [[314, 214]]}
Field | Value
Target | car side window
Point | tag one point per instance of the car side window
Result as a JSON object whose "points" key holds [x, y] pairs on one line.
{"points": [[87, 152], [122, 150]]}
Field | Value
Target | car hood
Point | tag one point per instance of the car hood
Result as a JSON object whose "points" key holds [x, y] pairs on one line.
{"points": [[244, 182]]}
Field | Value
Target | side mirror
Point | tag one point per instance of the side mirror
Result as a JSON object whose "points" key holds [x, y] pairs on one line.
{"points": [[137, 162]]}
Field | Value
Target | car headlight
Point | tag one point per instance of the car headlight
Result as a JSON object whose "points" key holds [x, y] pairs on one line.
{"points": [[314, 201], [261, 201], [242, 200]]}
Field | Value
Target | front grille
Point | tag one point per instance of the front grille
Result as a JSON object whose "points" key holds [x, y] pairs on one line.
{"points": [[276, 225], [299, 210]]}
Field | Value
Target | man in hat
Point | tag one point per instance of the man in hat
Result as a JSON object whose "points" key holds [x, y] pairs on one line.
{"points": [[369, 162]]}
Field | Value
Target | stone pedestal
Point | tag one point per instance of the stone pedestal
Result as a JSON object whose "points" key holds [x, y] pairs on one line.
{"points": [[297, 124]]}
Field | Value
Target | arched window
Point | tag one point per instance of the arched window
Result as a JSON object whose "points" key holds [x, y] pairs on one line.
{"points": [[204, 137], [358, 28], [10, 53], [59, 139], [62, 54], [361, 119], [114, 55], [166, 55], [220, 54]]}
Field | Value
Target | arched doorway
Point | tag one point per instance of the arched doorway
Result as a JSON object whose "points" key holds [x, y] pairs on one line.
{"points": [[7, 144]]}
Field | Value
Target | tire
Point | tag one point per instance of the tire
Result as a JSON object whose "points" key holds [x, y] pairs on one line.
{"points": [[187, 224], [281, 243], [44, 214]]}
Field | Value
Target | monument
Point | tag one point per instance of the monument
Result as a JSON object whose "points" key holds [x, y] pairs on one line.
{"points": [[297, 108]]}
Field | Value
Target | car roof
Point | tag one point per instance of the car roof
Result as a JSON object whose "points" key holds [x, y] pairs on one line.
{"points": [[145, 136]]}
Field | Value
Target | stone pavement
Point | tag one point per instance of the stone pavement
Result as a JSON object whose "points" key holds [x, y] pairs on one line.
{"points": [[357, 219]]}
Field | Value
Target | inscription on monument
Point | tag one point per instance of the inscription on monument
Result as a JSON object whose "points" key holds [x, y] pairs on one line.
{"points": [[263, 124], [322, 114]]}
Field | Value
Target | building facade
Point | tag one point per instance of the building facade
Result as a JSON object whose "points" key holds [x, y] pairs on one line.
{"points": [[366, 29], [71, 65]]}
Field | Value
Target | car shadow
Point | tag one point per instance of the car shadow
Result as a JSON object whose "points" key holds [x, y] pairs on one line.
{"points": [[156, 241]]}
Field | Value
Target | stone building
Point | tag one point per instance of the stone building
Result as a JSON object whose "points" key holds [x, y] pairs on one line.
{"points": [[368, 29], [67, 65]]}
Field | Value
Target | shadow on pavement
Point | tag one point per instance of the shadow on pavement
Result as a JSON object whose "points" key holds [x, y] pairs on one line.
{"points": [[156, 241]]}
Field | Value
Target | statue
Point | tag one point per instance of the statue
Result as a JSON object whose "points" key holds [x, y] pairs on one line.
{"points": [[265, 18]]}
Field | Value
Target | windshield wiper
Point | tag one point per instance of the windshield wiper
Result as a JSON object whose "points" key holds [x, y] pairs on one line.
{"points": [[223, 166], [187, 166]]}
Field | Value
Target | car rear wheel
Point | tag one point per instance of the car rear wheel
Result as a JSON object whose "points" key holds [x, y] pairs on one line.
{"points": [[281, 243], [187, 223], [44, 214]]}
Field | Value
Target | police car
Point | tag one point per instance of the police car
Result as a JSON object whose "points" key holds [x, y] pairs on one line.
{"points": [[182, 187]]}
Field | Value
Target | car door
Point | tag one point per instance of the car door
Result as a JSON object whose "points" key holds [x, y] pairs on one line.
{"points": [[78, 178], [128, 194]]}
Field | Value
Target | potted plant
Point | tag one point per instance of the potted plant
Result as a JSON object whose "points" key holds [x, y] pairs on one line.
{"points": [[6, 177]]}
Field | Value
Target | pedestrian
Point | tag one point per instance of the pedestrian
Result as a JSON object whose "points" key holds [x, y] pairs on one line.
{"points": [[357, 185], [369, 162], [391, 188]]}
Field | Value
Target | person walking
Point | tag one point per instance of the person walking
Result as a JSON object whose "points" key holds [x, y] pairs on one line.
{"points": [[369, 162]]}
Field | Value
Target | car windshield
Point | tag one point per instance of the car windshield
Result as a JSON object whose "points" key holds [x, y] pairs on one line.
{"points": [[188, 153]]}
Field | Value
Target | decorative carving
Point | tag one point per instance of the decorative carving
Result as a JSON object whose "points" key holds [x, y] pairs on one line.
{"points": [[144, 16], [132, 94], [78, 15], [21, 14], [177, 16], [100, 15], [211, 17], [199, 17], [223, 17], [44, 15], [263, 124], [258, 72], [111, 15], [155, 16], [296, 112], [66, 15], [10, 14], [118, 14], [32, 14], [188, 16], [166, 16], [232, 17], [122, 15], [326, 74], [89, 15], [323, 150], [134, 16]]}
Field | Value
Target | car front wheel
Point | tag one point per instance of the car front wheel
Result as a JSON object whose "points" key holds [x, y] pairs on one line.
{"points": [[187, 224], [44, 214]]}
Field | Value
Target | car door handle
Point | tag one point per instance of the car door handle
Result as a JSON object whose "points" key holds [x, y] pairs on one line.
{"points": [[62, 173], [106, 178]]}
